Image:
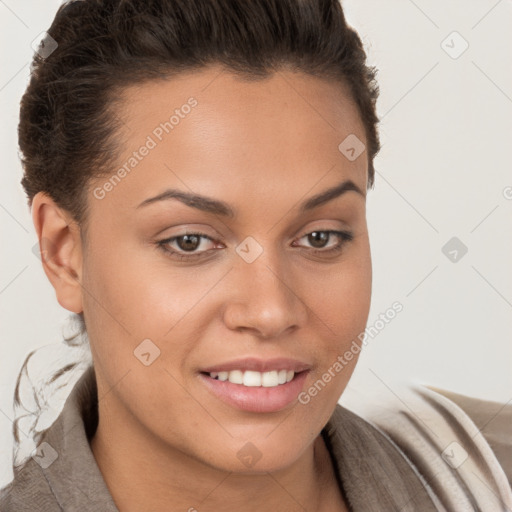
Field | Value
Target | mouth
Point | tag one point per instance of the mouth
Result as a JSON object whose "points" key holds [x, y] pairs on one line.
{"points": [[250, 378], [252, 390]]}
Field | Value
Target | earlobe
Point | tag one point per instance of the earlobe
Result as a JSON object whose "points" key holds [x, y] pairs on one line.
{"points": [[60, 250]]}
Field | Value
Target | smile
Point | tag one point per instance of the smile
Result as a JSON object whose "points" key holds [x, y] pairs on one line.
{"points": [[252, 391], [255, 379]]}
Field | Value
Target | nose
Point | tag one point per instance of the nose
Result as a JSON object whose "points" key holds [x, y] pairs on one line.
{"points": [[263, 300]]}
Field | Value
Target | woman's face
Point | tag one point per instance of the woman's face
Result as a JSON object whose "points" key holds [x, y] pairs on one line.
{"points": [[264, 288]]}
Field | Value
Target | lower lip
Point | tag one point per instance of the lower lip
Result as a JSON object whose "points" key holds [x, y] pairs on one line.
{"points": [[256, 399]]}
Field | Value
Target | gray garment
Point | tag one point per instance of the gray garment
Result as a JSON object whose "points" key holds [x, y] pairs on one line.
{"points": [[391, 462]]}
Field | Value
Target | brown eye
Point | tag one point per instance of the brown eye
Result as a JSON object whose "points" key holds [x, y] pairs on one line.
{"points": [[188, 246], [318, 239], [326, 242], [188, 242]]}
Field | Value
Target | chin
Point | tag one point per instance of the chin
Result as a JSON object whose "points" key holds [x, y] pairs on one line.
{"points": [[260, 454]]}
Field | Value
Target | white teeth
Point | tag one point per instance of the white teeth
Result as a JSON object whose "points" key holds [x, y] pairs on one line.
{"points": [[269, 379], [236, 377], [252, 379], [255, 379]]}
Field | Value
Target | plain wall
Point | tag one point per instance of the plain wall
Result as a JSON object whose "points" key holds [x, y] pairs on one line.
{"points": [[443, 172]]}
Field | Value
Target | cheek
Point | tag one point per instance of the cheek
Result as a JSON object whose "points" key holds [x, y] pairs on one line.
{"points": [[139, 290], [340, 299], [136, 296], [341, 306], [340, 295]]}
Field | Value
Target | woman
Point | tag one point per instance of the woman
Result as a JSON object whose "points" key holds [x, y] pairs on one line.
{"points": [[197, 173]]}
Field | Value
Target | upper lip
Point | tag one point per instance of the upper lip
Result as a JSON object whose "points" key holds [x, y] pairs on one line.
{"points": [[259, 365]]}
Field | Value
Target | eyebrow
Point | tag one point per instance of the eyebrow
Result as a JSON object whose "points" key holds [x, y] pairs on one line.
{"points": [[210, 205]]}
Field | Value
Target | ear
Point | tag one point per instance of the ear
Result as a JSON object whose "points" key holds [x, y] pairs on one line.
{"points": [[60, 249]]}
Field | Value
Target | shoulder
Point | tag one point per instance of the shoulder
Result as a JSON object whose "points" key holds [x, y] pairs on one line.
{"points": [[492, 419], [28, 491], [62, 474], [447, 438]]}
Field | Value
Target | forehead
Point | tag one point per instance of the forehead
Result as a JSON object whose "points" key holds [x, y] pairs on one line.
{"points": [[215, 133]]}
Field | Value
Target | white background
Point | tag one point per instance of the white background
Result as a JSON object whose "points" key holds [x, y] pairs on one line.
{"points": [[444, 166]]}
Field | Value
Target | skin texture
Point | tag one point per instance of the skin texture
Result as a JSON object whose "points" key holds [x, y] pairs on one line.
{"points": [[263, 147]]}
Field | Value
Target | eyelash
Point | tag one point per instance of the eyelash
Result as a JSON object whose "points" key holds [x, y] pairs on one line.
{"points": [[344, 236]]}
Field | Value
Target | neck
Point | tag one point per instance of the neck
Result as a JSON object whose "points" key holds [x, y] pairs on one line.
{"points": [[166, 476]]}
